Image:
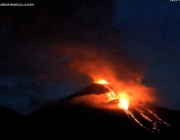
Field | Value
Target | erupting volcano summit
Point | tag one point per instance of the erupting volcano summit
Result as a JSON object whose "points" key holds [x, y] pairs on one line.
{"points": [[108, 99]]}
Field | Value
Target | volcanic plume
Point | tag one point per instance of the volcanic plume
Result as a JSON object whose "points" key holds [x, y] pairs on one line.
{"points": [[115, 66], [120, 75]]}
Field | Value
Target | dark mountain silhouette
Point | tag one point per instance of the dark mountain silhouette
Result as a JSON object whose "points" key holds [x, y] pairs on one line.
{"points": [[93, 88], [9, 120], [65, 120], [7, 113]]}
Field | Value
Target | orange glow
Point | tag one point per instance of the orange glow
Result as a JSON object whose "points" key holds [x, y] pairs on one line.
{"points": [[120, 95], [122, 100], [115, 68], [120, 74], [123, 103], [102, 81]]}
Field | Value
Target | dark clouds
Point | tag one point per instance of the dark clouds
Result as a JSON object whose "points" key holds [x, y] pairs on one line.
{"points": [[27, 33]]}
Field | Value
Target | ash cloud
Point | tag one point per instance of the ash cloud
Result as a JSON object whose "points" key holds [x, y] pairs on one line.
{"points": [[110, 63], [27, 35], [100, 60]]}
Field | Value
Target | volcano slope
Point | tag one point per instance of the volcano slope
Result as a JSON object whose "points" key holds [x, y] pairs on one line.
{"points": [[83, 121]]}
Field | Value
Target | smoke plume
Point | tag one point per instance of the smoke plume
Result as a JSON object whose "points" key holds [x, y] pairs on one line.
{"points": [[111, 63]]}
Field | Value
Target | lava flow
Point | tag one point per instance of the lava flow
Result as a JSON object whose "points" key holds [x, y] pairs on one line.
{"points": [[144, 117], [123, 101]]}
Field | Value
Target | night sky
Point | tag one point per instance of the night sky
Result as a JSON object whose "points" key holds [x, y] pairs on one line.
{"points": [[39, 43]]}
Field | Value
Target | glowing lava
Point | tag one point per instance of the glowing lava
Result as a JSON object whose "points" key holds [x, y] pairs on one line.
{"points": [[122, 100], [102, 81], [123, 103]]}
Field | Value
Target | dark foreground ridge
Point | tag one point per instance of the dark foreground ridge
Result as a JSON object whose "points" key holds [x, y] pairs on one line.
{"points": [[64, 120]]}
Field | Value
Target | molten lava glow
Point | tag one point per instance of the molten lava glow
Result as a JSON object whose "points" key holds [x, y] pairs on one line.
{"points": [[102, 81], [120, 76], [123, 103], [124, 97], [123, 100]]}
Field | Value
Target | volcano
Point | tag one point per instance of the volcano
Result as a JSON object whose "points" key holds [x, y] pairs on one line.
{"points": [[75, 114], [75, 117]]}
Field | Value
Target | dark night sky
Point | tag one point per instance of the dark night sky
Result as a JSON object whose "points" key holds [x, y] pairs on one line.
{"points": [[33, 72], [151, 32]]}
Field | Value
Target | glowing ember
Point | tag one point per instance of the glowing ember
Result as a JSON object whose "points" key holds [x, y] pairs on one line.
{"points": [[102, 81]]}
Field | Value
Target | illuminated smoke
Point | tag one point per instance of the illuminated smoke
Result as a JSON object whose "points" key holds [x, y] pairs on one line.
{"points": [[123, 72]]}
